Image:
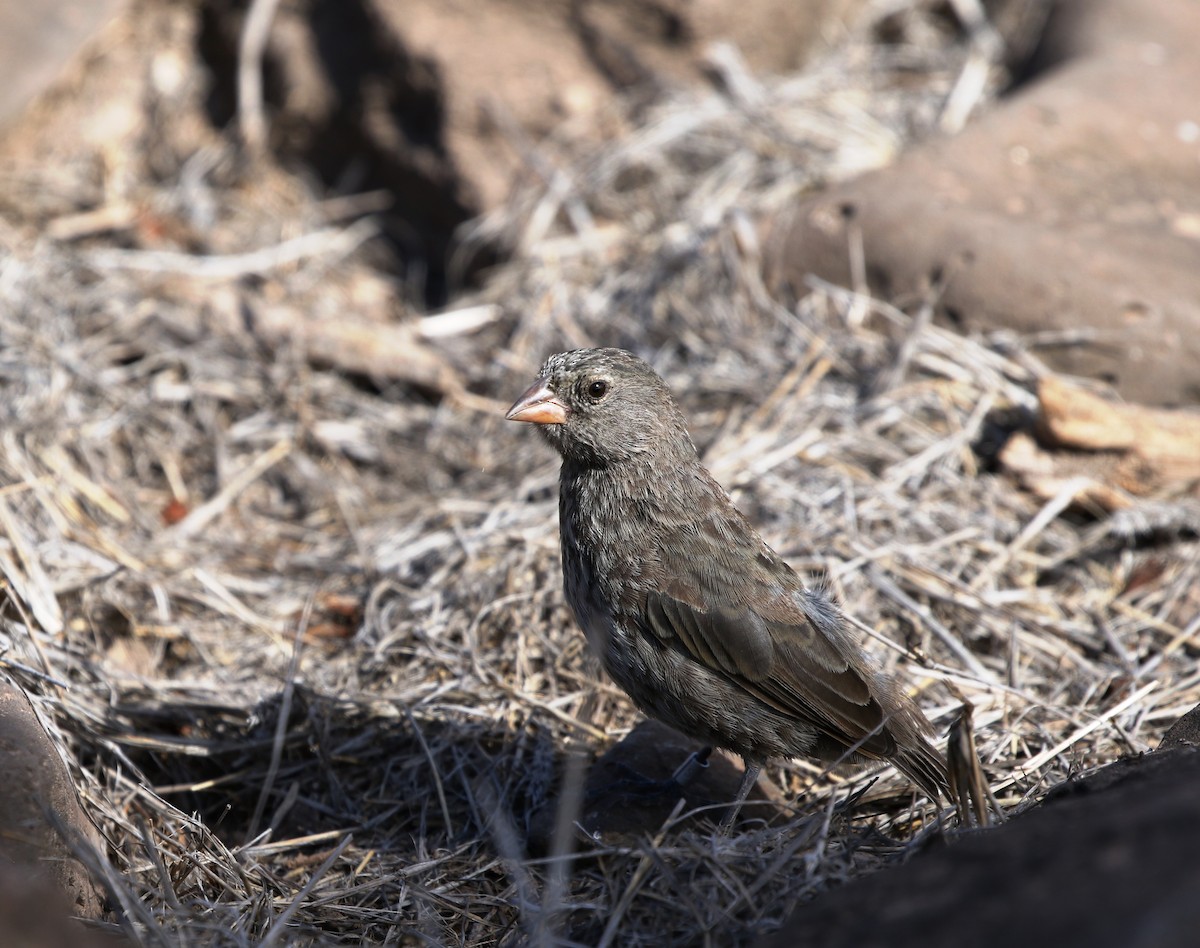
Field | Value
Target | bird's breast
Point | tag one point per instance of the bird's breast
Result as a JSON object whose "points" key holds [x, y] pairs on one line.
{"points": [[610, 555]]}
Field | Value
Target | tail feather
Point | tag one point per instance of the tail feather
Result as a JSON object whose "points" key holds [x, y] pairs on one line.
{"points": [[924, 766]]}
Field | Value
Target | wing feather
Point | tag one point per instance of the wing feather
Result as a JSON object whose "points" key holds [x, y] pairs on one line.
{"points": [[792, 667]]}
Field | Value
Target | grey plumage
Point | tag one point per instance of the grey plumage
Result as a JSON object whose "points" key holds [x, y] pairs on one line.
{"points": [[701, 623]]}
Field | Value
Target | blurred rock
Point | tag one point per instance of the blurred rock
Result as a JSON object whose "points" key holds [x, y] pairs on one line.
{"points": [[128, 109], [447, 106], [35, 914], [1070, 207], [629, 41], [36, 795], [37, 40], [509, 75], [1108, 861]]}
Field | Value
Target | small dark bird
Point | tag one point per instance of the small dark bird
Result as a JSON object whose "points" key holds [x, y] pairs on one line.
{"points": [[701, 623]]}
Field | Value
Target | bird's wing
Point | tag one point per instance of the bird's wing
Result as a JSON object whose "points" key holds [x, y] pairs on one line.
{"points": [[789, 663]]}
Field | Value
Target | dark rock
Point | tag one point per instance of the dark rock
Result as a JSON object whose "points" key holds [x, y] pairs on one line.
{"points": [[1183, 733], [1107, 861]]}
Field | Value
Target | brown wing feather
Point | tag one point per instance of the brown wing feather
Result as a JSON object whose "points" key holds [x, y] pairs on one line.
{"points": [[793, 668]]}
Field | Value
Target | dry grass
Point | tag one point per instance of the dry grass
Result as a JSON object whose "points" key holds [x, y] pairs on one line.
{"points": [[325, 706]]}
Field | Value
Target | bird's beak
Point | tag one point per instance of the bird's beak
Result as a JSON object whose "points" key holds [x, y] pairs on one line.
{"points": [[538, 405]]}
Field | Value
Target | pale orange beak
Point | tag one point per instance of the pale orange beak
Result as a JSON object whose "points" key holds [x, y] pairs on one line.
{"points": [[539, 406]]}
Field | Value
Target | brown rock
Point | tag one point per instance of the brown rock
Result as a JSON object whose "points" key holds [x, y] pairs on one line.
{"points": [[667, 40], [37, 40], [36, 914], [446, 105], [1073, 205], [37, 796], [554, 67], [105, 111]]}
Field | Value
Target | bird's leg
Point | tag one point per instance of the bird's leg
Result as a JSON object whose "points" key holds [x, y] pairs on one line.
{"points": [[749, 779], [690, 768]]}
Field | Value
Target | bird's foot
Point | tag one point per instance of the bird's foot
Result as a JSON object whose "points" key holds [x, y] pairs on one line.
{"points": [[749, 779]]}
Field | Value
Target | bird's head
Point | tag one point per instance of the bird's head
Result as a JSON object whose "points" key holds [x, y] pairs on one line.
{"points": [[602, 406]]}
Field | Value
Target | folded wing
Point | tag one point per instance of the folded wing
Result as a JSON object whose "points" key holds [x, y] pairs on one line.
{"points": [[791, 666]]}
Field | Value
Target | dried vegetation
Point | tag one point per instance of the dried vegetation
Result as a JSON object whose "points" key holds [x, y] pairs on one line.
{"points": [[300, 629]]}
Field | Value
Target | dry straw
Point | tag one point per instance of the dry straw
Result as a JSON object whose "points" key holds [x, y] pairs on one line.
{"points": [[326, 705]]}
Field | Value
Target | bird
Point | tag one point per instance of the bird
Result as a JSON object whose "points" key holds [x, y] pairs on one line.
{"points": [[702, 624]]}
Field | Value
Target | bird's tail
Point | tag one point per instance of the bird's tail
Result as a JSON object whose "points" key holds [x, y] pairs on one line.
{"points": [[923, 765]]}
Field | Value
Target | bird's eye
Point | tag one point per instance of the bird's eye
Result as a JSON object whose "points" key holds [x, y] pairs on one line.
{"points": [[597, 389]]}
